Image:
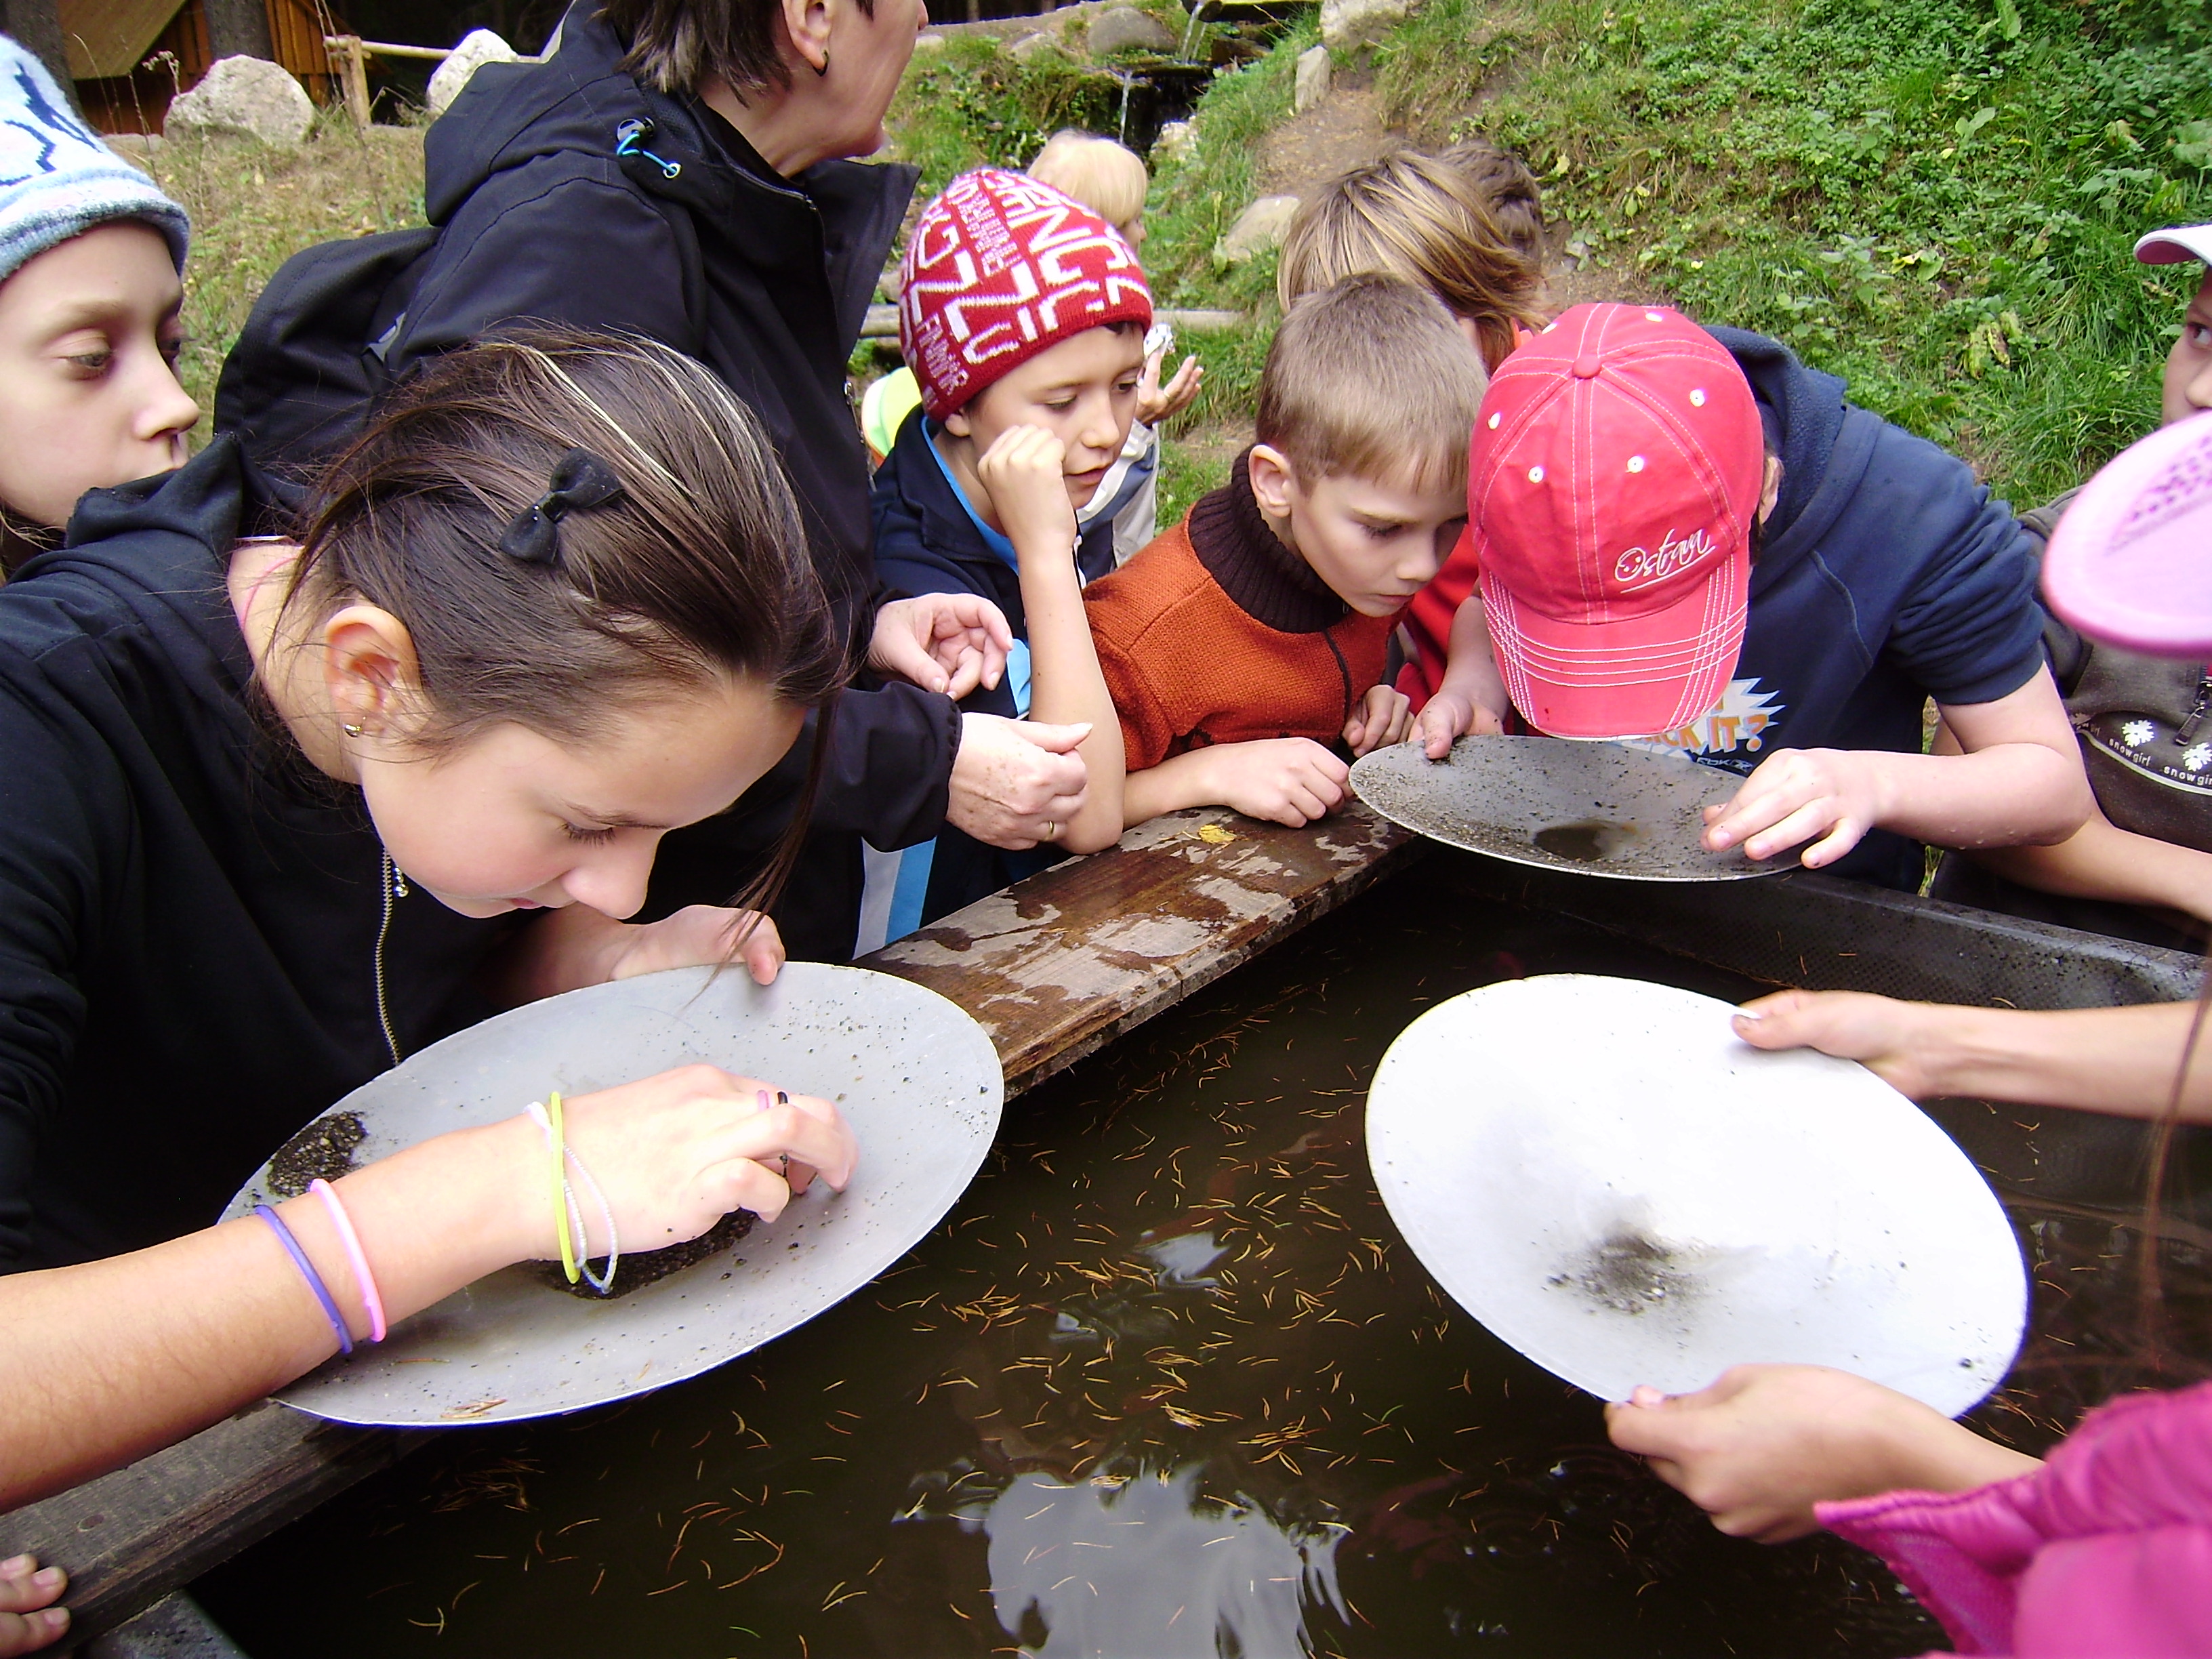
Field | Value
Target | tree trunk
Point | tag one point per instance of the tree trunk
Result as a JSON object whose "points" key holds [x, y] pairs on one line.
{"points": [[239, 29], [38, 24]]}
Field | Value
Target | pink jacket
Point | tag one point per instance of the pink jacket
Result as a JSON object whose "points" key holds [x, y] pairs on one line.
{"points": [[2106, 1552]]}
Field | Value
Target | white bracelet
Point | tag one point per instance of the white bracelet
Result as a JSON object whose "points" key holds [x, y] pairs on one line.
{"points": [[602, 1284]]}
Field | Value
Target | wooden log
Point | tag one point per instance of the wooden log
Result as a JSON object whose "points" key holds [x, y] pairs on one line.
{"points": [[1058, 965], [351, 63], [130, 1538], [1052, 968]]}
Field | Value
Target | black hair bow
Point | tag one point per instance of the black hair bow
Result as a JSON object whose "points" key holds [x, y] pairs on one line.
{"points": [[580, 479]]}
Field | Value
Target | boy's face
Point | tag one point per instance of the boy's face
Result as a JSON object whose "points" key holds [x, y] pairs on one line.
{"points": [[88, 391], [1376, 542], [2188, 385], [1083, 391]]}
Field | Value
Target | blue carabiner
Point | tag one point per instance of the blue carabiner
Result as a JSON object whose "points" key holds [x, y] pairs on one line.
{"points": [[628, 137]]}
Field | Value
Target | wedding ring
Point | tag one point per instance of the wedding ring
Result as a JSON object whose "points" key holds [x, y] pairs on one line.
{"points": [[1051, 830]]}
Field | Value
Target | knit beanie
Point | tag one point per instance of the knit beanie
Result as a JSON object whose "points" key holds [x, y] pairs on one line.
{"points": [[57, 179], [1000, 268]]}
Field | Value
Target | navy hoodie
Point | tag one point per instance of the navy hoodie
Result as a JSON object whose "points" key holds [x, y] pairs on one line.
{"points": [[692, 240], [189, 915], [927, 543], [1885, 575]]}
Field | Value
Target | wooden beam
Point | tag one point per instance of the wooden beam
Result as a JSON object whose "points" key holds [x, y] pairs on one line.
{"points": [[1052, 968], [1059, 964], [351, 61]]}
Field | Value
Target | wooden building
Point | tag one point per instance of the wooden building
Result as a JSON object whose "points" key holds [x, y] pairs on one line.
{"points": [[127, 58]]}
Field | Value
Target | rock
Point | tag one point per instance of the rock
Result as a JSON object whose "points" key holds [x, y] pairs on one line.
{"points": [[1259, 228], [924, 43], [1314, 67], [1176, 137], [1349, 25], [1031, 47], [1125, 29], [244, 97], [477, 48]]}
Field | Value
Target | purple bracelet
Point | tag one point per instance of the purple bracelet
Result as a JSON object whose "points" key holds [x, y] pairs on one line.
{"points": [[307, 1270]]}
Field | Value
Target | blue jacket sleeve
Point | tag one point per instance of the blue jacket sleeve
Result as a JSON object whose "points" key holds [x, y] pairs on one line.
{"points": [[1968, 628]]}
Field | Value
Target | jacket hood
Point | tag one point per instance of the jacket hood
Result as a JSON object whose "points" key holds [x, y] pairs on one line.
{"points": [[1825, 443]]}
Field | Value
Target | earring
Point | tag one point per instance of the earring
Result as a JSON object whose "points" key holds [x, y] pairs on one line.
{"points": [[824, 66], [351, 729]]}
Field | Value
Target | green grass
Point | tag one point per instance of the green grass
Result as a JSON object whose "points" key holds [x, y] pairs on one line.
{"points": [[968, 104], [1933, 198]]}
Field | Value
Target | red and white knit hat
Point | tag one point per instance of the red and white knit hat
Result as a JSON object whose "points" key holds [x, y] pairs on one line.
{"points": [[1000, 268]]}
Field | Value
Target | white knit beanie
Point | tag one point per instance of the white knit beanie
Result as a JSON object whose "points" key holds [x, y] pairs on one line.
{"points": [[57, 179]]}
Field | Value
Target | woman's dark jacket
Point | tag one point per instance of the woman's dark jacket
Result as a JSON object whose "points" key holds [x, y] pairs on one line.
{"points": [[188, 916], [692, 240]]}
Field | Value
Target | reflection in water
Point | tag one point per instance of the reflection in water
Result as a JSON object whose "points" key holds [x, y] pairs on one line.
{"points": [[1153, 1568]]}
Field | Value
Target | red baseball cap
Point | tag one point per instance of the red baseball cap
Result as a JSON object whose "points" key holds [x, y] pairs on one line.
{"points": [[1612, 482], [2131, 561]]}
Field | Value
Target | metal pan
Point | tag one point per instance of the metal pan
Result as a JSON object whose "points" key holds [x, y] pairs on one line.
{"points": [[917, 1077], [1601, 1172], [1604, 809]]}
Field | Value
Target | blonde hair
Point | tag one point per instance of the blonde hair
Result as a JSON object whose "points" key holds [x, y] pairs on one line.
{"points": [[1508, 188], [1420, 218], [1372, 378], [1107, 178]]}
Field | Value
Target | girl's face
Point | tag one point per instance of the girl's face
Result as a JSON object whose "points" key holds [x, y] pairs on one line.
{"points": [[514, 820], [2189, 366], [89, 392]]}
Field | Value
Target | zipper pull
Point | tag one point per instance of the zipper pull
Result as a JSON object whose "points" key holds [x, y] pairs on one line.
{"points": [[2186, 731], [630, 140]]}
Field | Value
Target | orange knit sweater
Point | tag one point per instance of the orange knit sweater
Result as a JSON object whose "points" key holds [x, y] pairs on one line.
{"points": [[1187, 664]]}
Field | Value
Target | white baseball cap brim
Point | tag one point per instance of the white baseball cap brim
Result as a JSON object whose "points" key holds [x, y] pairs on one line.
{"points": [[2176, 245]]}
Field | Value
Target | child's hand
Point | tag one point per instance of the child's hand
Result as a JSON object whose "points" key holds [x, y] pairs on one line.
{"points": [[1021, 471], [1761, 1446], [1449, 716], [1155, 402], [1290, 780], [1384, 717], [948, 642], [1890, 1038], [1830, 797], [676, 1152], [698, 936], [30, 1620]]}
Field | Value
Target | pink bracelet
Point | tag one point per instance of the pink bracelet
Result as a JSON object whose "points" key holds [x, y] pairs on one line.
{"points": [[355, 1256]]}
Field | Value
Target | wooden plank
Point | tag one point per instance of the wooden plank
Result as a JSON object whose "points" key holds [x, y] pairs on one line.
{"points": [[1052, 968], [130, 1538], [1058, 965]]}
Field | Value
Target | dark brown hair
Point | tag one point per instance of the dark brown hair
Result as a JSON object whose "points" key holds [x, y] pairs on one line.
{"points": [[1506, 185], [1370, 377], [698, 568], [674, 44]]}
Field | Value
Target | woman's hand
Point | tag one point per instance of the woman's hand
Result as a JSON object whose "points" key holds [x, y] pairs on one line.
{"points": [[30, 1620], [676, 1152], [1156, 403], [697, 936], [1764, 1444], [947, 643], [1830, 797], [1384, 716], [1893, 1040], [1016, 782], [1021, 471]]}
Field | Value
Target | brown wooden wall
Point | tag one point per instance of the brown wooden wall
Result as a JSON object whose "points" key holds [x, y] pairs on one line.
{"points": [[137, 102]]}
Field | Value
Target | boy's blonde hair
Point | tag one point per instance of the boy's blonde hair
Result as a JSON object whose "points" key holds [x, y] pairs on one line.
{"points": [[1424, 219], [1107, 178], [1372, 378]]}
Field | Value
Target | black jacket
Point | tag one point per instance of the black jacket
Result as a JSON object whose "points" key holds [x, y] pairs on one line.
{"points": [[188, 916], [691, 238]]}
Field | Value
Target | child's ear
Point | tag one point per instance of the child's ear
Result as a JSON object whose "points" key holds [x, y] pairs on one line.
{"points": [[957, 424], [1272, 480]]}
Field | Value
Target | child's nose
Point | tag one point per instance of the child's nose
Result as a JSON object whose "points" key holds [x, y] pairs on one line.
{"points": [[2199, 391], [612, 881], [165, 408]]}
